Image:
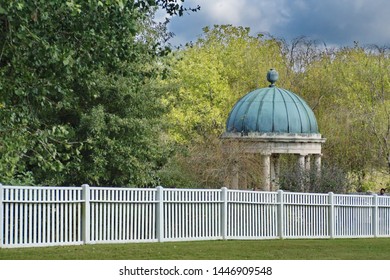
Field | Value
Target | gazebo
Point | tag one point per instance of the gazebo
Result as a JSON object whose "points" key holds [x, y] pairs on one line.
{"points": [[272, 121]]}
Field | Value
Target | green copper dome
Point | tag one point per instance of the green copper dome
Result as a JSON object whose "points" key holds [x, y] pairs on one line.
{"points": [[272, 110]]}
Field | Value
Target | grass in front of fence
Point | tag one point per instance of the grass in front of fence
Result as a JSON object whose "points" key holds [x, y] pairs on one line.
{"points": [[328, 249]]}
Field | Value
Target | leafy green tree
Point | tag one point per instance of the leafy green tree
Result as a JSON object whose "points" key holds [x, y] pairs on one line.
{"points": [[204, 81], [209, 76], [348, 89], [77, 101], [352, 89]]}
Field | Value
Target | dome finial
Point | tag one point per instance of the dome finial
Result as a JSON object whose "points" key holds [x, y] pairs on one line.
{"points": [[272, 77]]}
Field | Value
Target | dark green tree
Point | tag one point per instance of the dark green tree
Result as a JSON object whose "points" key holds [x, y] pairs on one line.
{"points": [[77, 100]]}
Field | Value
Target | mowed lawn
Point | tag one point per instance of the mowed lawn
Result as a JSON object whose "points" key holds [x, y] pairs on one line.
{"points": [[327, 249]]}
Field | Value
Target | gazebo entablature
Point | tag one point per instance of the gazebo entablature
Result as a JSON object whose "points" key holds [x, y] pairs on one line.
{"points": [[272, 143]]}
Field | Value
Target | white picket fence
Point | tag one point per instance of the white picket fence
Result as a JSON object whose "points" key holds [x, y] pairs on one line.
{"points": [[47, 216]]}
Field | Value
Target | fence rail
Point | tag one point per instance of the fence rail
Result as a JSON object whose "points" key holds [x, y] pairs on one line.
{"points": [[48, 216]]}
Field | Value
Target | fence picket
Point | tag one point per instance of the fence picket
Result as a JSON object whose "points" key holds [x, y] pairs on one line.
{"points": [[43, 216]]}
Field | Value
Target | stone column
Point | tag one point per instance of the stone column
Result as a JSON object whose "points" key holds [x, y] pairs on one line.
{"points": [[234, 176], [317, 168], [301, 161], [317, 162], [307, 162], [302, 166], [272, 172], [266, 158], [275, 170]]}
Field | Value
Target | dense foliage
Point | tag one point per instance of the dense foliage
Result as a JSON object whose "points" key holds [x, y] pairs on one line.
{"points": [[352, 89], [89, 93], [77, 102], [348, 89], [333, 179], [208, 77]]}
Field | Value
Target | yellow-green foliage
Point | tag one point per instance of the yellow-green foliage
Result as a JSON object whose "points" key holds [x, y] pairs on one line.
{"points": [[348, 89], [352, 86], [208, 77]]}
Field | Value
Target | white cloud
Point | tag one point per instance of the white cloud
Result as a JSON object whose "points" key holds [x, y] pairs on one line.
{"points": [[229, 11]]}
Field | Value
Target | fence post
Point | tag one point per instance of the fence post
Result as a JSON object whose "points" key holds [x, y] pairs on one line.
{"points": [[331, 215], [86, 214], [375, 216], [280, 214], [224, 210], [160, 214], [1, 216]]}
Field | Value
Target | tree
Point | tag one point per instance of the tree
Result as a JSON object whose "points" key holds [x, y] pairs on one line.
{"points": [[350, 87], [209, 76], [77, 101], [204, 81]]}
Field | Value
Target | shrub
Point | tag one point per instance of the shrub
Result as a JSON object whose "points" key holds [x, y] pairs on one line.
{"points": [[330, 179]]}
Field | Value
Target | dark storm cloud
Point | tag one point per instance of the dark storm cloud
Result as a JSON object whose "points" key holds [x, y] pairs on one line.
{"points": [[337, 22]]}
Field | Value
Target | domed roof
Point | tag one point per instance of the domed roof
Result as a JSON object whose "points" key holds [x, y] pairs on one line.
{"points": [[272, 110]]}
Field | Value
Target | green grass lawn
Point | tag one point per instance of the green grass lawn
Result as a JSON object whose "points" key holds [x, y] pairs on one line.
{"points": [[328, 249]]}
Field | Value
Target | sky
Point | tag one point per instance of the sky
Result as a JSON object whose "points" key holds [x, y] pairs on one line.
{"points": [[334, 22]]}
